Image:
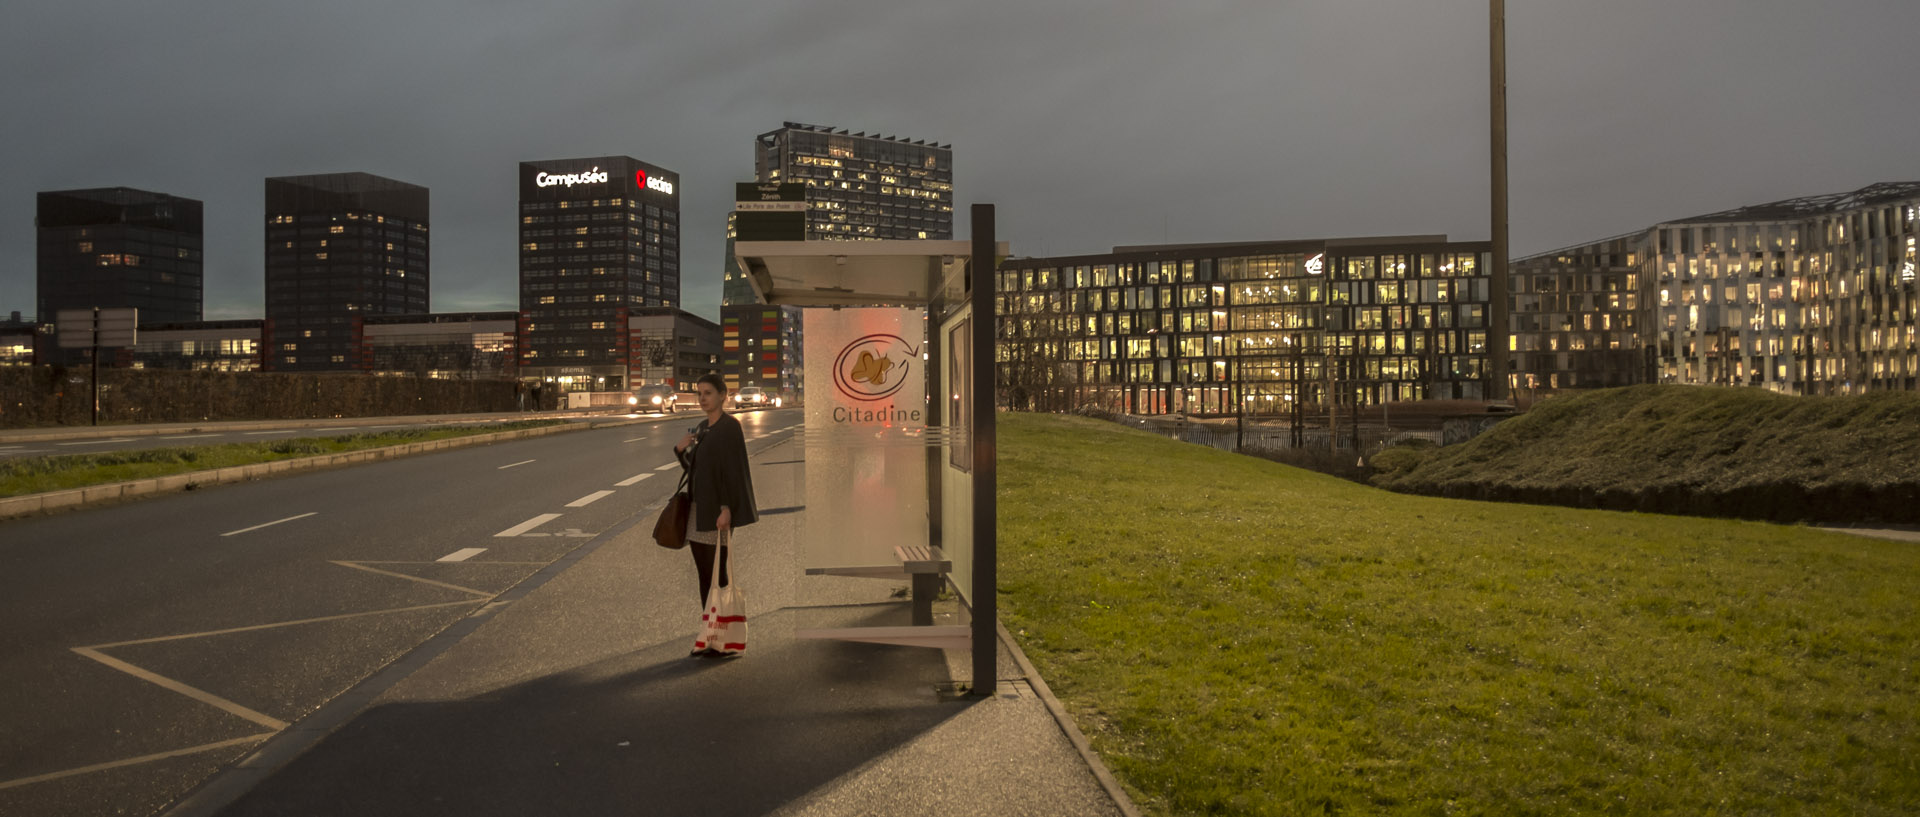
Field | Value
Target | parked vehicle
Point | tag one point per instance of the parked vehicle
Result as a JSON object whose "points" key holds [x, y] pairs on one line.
{"points": [[658, 397]]}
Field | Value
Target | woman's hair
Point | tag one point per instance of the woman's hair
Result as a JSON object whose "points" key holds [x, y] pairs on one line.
{"points": [[714, 380]]}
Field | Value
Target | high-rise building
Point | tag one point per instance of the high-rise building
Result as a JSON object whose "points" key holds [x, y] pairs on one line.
{"points": [[118, 247], [340, 247], [599, 237], [861, 186]]}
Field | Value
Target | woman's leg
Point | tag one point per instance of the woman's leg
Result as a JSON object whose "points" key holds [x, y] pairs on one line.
{"points": [[703, 565]]}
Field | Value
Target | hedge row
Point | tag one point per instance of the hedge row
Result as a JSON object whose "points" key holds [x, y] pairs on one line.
{"points": [[52, 395]]}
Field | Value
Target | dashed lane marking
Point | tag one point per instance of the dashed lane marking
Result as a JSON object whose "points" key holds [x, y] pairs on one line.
{"points": [[589, 499], [632, 480], [190, 437], [270, 524], [286, 431], [668, 466], [462, 555], [528, 525], [522, 462], [100, 442]]}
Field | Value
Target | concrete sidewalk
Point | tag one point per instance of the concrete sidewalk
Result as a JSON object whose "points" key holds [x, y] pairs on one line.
{"points": [[574, 695]]}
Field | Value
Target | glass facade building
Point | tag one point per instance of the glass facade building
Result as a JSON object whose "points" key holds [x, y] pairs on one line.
{"points": [[861, 186], [1575, 316], [672, 347], [340, 247], [218, 346], [1813, 295], [1261, 328], [599, 238], [760, 345], [444, 346], [119, 247]]}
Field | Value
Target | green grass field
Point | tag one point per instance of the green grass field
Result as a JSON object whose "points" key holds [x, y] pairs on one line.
{"points": [[1240, 637], [33, 475]]}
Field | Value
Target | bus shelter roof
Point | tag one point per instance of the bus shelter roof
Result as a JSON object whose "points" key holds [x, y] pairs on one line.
{"points": [[857, 273]]}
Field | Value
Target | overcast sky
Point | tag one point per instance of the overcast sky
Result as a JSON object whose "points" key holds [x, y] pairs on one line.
{"points": [[1088, 124]]}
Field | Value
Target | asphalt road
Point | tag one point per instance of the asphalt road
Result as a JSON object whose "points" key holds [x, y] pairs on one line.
{"points": [[150, 643], [47, 442]]}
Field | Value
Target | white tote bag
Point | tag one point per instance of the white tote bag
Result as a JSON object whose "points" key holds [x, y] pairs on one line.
{"points": [[723, 625]]}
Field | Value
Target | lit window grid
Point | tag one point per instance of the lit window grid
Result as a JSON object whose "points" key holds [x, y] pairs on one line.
{"points": [[1102, 332]]}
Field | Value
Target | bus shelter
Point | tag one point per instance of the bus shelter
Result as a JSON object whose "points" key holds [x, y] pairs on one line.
{"points": [[898, 435]]}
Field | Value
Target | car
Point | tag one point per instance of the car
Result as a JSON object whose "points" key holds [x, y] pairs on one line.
{"points": [[754, 397], [659, 397]]}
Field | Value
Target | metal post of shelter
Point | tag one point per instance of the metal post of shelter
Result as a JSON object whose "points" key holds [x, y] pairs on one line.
{"points": [[980, 291]]}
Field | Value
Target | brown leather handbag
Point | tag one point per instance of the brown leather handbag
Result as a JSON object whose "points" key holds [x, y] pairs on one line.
{"points": [[670, 530]]}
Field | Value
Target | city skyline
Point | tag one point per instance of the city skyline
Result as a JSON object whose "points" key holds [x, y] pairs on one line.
{"points": [[1089, 126]]}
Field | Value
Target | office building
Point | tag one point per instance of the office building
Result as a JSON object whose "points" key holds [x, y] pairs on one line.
{"points": [[1575, 316], [206, 346], [340, 248], [443, 346], [760, 345], [672, 347], [1256, 327], [861, 186], [1813, 295], [599, 238], [119, 247]]}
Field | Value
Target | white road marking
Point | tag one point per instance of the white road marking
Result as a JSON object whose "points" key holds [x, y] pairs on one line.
{"points": [[270, 524], [668, 466], [528, 525], [100, 442], [636, 439], [258, 433], [164, 682], [632, 480], [589, 499], [132, 761], [190, 437], [341, 428], [505, 467], [462, 554]]}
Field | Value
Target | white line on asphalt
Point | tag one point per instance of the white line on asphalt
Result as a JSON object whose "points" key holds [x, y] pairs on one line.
{"points": [[270, 524], [636, 439], [341, 428], [462, 554], [133, 761], [287, 431], [505, 467], [668, 466], [190, 437], [100, 442], [589, 499], [528, 525], [631, 480], [204, 697]]}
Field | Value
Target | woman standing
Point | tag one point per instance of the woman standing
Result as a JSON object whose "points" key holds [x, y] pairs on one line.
{"points": [[715, 456]]}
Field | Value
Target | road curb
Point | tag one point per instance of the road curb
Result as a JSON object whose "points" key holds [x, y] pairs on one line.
{"points": [[1067, 726], [32, 504]]}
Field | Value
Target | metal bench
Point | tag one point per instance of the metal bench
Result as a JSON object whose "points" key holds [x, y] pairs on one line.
{"points": [[927, 566]]}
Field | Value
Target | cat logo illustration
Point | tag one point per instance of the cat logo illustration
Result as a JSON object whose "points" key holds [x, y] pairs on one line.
{"points": [[874, 367]]}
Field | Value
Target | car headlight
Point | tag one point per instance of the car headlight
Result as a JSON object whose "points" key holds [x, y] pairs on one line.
{"points": [[656, 399], [776, 402], [632, 401]]}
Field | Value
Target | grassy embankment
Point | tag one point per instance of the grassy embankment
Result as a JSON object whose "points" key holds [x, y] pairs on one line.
{"points": [[62, 472], [1743, 453], [1240, 637]]}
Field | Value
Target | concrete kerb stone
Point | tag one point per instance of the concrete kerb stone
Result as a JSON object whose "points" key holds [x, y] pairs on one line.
{"points": [[30, 504], [1067, 726]]}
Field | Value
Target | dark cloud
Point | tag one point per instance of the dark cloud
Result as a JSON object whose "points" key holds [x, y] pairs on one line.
{"points": [[1089, 124]]}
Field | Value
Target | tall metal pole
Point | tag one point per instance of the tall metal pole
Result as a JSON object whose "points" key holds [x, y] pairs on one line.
{"points": [[986, 542], [1498, 336]]}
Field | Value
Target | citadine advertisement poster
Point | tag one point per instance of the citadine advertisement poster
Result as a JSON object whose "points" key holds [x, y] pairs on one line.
{"points": [[866, 460]]}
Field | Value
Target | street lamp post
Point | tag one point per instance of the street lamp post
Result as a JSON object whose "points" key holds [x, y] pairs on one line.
{"points": [[1497, 334]]}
